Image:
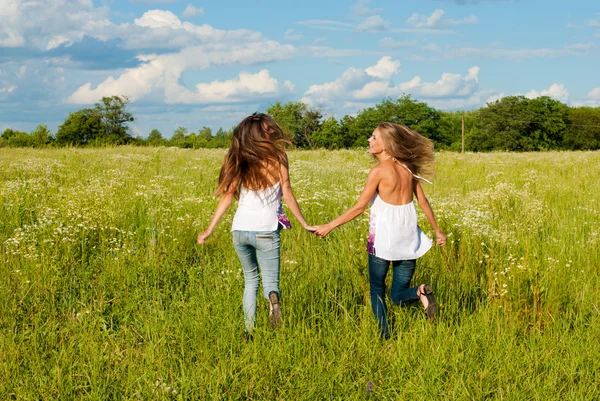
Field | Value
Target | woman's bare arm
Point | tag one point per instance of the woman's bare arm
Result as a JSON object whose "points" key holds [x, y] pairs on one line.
{"points": [[289, 198], [424, 205], [366, 195], [222, 207]]}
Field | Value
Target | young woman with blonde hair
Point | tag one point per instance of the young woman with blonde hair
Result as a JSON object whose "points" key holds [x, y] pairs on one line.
{"points": [[404, 157], [255, 171]]}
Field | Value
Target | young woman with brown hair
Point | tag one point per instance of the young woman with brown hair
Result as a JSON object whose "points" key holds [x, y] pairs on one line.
{"points": [[394, 236], [255, 171]]}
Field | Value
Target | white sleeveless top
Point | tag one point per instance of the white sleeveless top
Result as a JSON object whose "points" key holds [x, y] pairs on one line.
{"points": [[259, 210], [394, 233]]}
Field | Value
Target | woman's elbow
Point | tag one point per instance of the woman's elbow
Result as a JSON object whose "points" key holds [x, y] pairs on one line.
{"points": [[358, 210], [288, 197]]}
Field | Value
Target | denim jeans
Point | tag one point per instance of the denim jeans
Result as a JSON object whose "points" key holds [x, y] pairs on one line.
{"points": [[401, 293], [258, 252]]}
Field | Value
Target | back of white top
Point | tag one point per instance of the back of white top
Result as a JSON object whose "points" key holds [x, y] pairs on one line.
{"points": [[257, 210], [394, 233]]}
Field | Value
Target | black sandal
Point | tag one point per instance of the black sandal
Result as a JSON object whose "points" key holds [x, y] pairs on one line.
{"points": [[432, 308]]}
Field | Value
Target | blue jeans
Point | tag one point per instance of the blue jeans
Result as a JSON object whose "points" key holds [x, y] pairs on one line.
{"points": [[254, 249], [400, 293]]}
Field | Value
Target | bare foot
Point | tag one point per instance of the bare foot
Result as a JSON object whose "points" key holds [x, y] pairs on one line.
{"points": [[422, 296]]}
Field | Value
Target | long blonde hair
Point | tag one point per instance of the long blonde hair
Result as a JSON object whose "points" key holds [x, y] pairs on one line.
{"points": [[408, 147], [256, 147]]}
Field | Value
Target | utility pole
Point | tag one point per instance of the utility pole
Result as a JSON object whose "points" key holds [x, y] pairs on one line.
{"points": [[463, 132]]}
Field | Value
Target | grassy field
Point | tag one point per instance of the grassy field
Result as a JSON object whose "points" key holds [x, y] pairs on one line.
{"points": [[105, 296]]}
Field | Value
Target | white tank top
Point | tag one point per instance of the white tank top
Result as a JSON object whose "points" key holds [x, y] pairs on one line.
{"points": [[258, 210], [394, 233]]}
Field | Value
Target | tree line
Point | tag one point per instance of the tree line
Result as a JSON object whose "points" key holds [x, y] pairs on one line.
{"points": [[513, 123]]}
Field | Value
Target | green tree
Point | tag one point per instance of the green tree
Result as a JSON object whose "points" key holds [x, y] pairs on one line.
{"points": [[309, 124], [206, 134], [416, 115], [289, 117], [20, 139], [346, 126], [8, 133], [329, 135], [404, 110], [519, 124], [115, 118], [80, 128], [41, 136], [222, 139], [191, 141], [362, 127], [155, 138], [178, 138], [583, 132], [204, 138]]}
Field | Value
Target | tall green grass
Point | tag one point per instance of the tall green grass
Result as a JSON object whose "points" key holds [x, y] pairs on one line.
{"points": [[104, 294]]}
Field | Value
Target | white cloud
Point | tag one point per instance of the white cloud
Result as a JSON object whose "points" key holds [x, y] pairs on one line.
{"points": [[361, 9], [384, 69], [583, 47], [424, 31], [437, 20], [594, 94], [46, 24], [477, 99], [352, 79], [592, 99], [11, 38], [495, 97], [158, 77], [390, 43], [158, 19], [152, 1], [375, 82], [159, 29], [556, 91], [33, 84], [431, 47], [291, 35], [245, 86], [288, 84], [220, 108], [191, 11], [578, 49], [330, 52], [595, 23], [328, 25], [450, 85], [373, 24], [8, 89]]}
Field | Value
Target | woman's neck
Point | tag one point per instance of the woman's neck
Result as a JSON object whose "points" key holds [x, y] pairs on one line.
{"points": [[383, 156]]}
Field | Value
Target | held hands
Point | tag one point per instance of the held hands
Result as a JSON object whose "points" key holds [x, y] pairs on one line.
{"points": [[324, 229], [309, 228]]}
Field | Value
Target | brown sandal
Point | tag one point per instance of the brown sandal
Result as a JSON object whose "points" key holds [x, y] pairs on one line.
{"points": [[432, 307]]}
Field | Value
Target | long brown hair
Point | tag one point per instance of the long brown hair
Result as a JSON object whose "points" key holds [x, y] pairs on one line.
{"points": [[256, 147], [408, 147]]}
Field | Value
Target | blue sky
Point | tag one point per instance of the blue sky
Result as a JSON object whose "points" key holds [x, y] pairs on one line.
{"points": [[201, 63]]}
